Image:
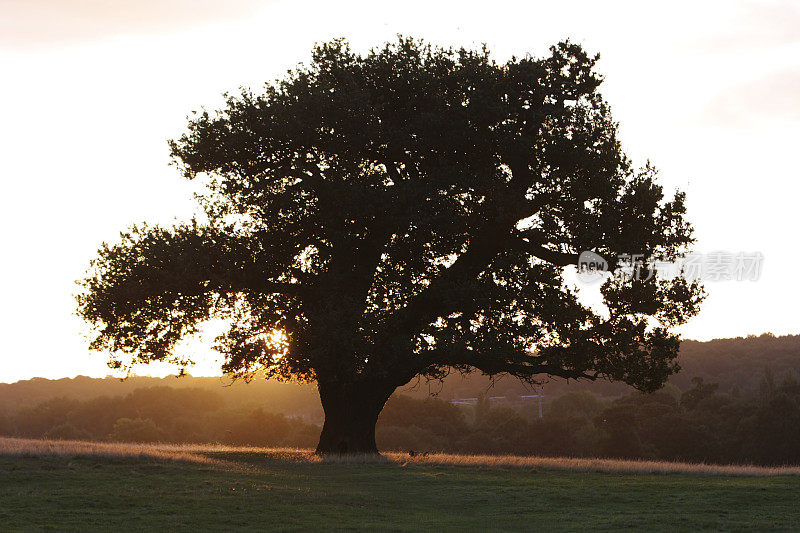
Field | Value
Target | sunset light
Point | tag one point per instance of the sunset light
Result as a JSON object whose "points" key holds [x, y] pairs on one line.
{"points": [[448, 266]]}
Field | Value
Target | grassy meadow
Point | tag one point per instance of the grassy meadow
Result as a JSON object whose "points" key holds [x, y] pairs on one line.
{"points": [[65, 485]]}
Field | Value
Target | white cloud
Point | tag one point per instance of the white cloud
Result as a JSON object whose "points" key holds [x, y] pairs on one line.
{"points": [[753, 25], [35, 24], [774, 96]]}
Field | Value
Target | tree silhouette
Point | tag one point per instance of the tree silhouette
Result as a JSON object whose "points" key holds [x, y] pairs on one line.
{"points": [[400, 214]]}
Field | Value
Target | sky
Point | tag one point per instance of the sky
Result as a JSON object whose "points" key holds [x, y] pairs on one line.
{"points": [[92, 90]]}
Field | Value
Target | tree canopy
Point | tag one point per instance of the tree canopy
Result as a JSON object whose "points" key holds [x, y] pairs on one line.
{"points": [[375, 217]]}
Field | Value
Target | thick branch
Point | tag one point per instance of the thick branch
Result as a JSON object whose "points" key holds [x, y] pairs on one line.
{"points": [[525, 367]]}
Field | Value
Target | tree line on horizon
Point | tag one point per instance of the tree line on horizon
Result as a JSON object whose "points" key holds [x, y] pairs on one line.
{"points": [[157, 414], [736, 364], [700, 424]]}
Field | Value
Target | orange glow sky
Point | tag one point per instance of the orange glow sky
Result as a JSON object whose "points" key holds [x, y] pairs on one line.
{"points": [[90, 94]]}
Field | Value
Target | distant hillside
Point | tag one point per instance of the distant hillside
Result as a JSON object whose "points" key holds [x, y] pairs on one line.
{"points": [[737, 363], [288, 398], [745, 410]]}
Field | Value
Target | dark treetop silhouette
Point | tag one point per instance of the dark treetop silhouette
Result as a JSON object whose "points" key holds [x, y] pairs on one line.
{"points": [[400, 214]]}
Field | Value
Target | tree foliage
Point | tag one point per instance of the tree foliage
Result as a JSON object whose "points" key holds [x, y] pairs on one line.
{"points": [[403, 213]]}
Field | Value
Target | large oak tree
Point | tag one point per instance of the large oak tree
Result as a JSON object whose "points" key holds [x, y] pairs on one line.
{"points": [[400, 214]]}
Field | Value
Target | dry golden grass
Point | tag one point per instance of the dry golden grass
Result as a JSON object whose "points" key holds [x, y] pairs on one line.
{"points": [[582, 464], [71, 448], [204, 454]]}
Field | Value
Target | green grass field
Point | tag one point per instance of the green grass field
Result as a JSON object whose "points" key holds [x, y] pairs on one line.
{"points": [[230, 489]]}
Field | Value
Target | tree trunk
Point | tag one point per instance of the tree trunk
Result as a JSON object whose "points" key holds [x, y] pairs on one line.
{"points": [[350, 415]]}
